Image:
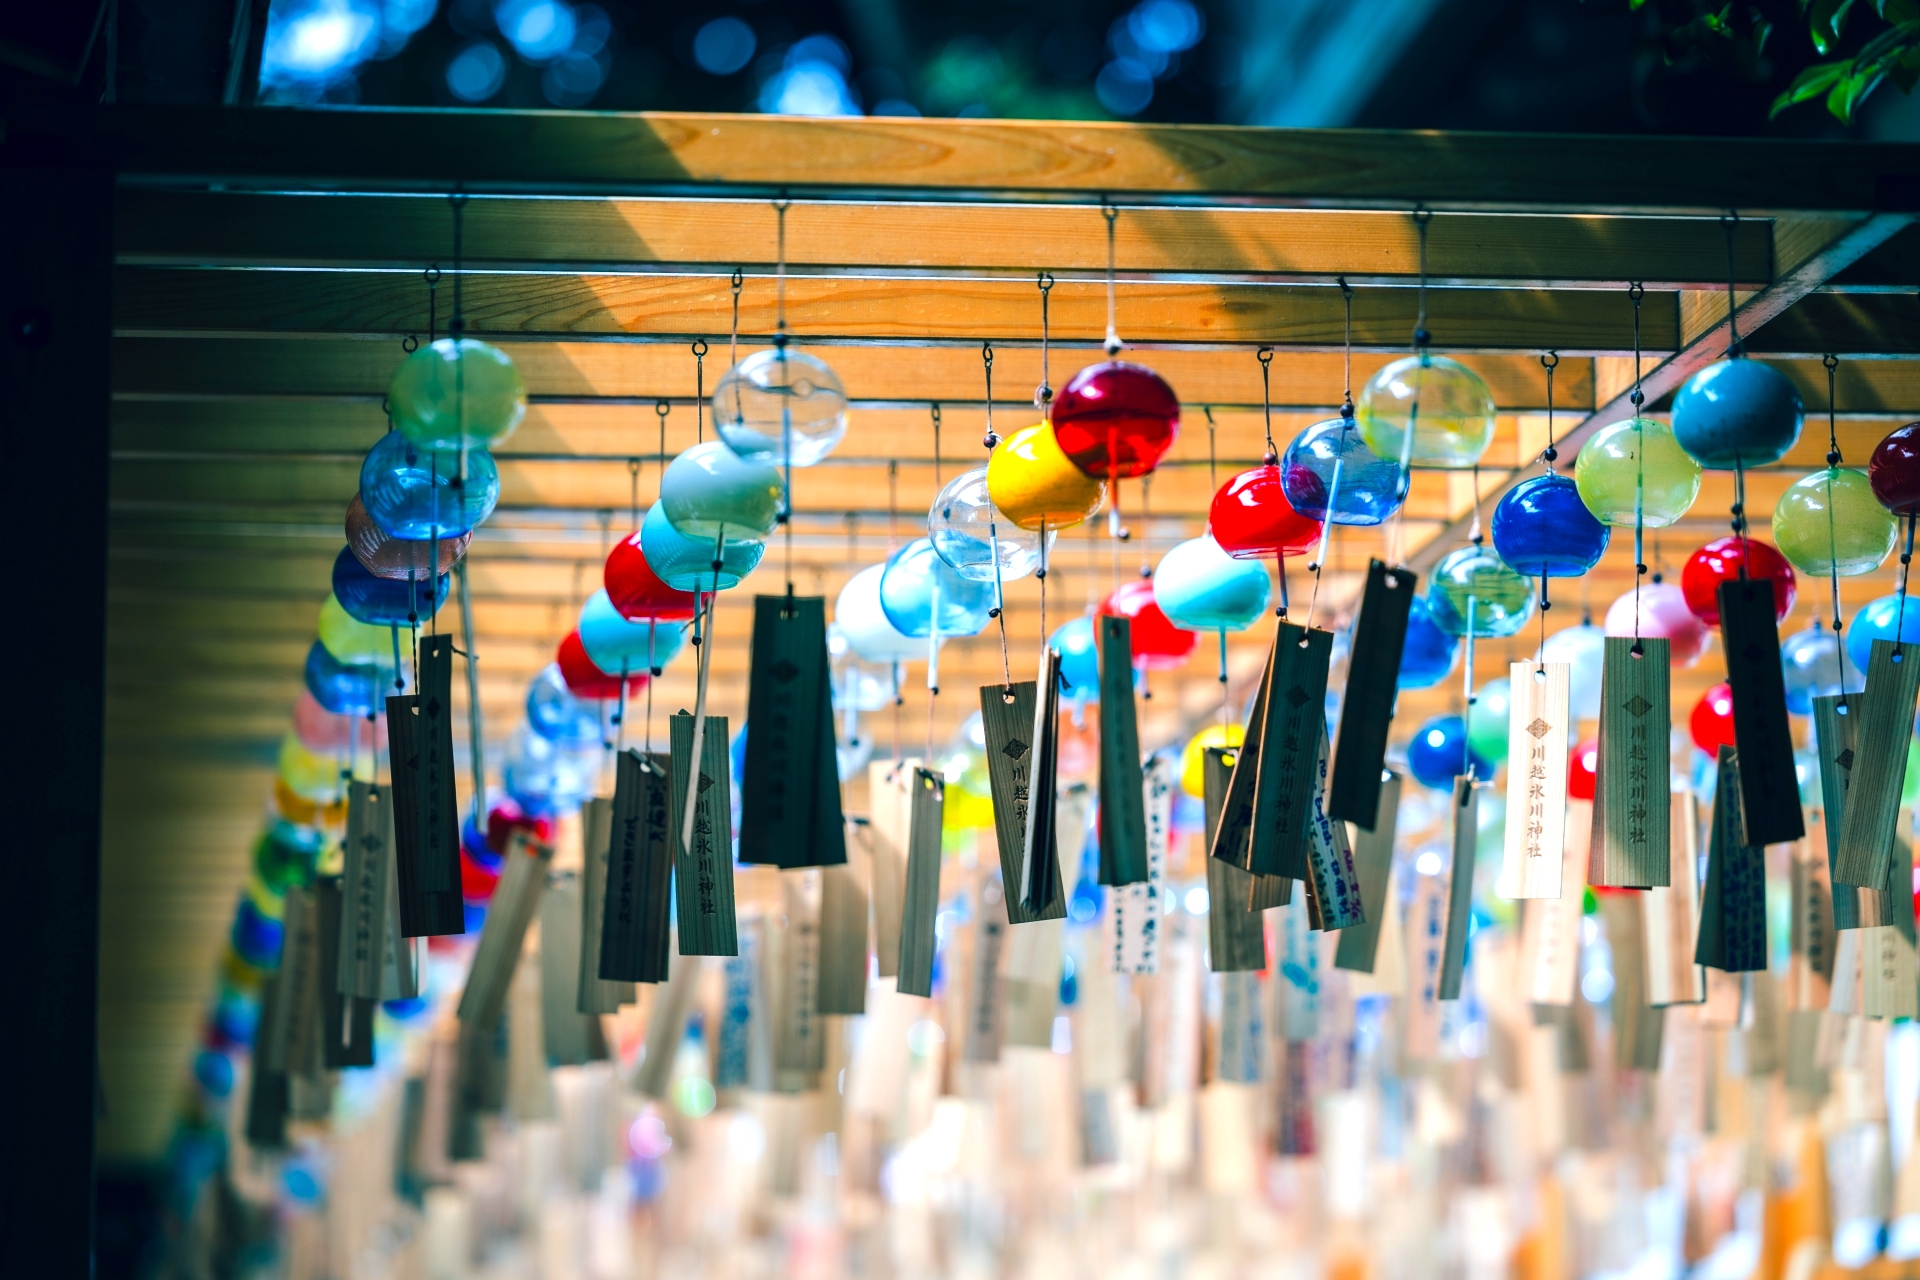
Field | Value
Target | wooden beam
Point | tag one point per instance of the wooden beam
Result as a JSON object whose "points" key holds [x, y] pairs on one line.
{"points": [[825, 311], [607, 152], [1860, 326], [1810, 264], [895, 241]]}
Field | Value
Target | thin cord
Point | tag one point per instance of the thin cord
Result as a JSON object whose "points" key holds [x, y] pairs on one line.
{"points": [[780, 208], [1636, 292], [991, 441], [1339, 458], [1832, 364], [1043, 394], [733, 335], [1112, 215], [1213, 467], [1265, 356], [700, 377], [1550, 455], [1421, 337]]}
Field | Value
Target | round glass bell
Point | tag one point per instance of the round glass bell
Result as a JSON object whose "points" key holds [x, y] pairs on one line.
{"points": [[1883, 619], [779, 405], [1635, 469], [1157, 644], [544, 777], [1473, 582], [637, 591], [1542, 529], [613, 642], [415, 494], [686, 564], [351, 642], [1252, 518], [1438, 753], [859, 616], [922, 595], [1332, 457], [1427, 656], [1830, 522], [344, 690], [1079, 649], [322, 730], [971, 535], [1664, 615], [1816, 665], [1894, 470], [386, 557], [457, 393], [1584, 649], [308, 774], [585, 678], [1199, 587], [1426, 410], [1487, 720], [1710, 723], [1034, 484], [857, 683], [1193, 756], [555, 713], [1116, 420], [710, 492], [1721, 561], [384, 602], [1737, 413]]}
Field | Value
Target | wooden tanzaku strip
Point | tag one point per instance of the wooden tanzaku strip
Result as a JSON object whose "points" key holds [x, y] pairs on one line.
{"points": [[1769, 787], [1733, 905], [1009, 725], [1236, 925], [889, 826], [424, 911], [267, 1100], [346, 1022], [829, 834], [289, 1041], [1835, 718], [667, 1026], [1222, 767], [1366, 712], [1243, 1029], [703, 874], [1879, 766], [1231, 838], [842, 986], [564, 1027], [1333, 882], [787, 697], [1136, 910], [1536, 779], [399, 970], [439, 805], [1550, 932], [1039, 887], [1672, 914], [636, 914], [1811, 936], [1637, 1025], [922, 898], [1635, 723], [366, 868], [593, 993], [800, 1039], [1292, 765], [516, 902], [986, 1004], [1452, 958], [1373, 861], [1123, 827]]}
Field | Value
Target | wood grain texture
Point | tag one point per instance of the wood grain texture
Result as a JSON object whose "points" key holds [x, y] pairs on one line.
{"points": [[1230, 814], [1769, 787], [1123, 825], [514, 906], [1373, 861], [842, 985], [565, 1029], [922, 899], [346, 1022], [1733, 905], [1835, 719], [1630, 848], [1637, 1025], [1811, 929], [1291, 761], [1366, 711], [1886, 712], [1536, 779], [703, 874], [788, 780], [635, 927], [1673, 913], [594, 994], [1011, 756], [1450, 963], [889, 831], [422, 848], [1039, 885], [365, 906]]}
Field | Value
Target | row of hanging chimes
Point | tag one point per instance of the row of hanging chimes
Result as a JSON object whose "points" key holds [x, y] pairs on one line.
{"points": [[426, 810]]}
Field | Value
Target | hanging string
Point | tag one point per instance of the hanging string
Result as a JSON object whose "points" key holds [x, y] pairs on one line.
{"points": [[733, 334], [1421, 337], [1550, 454], [1043, 394], [699, 349], [933, 634], [1265, 356], [990, 442], [1549, 362], [1832, 363], [893, 544], [1146, 527], [1213, 476], [1318, 565], [1112, 215], [1636, 292]]}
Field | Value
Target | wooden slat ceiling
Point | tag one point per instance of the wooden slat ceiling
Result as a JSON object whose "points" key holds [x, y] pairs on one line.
{"points": [[271, 263]]}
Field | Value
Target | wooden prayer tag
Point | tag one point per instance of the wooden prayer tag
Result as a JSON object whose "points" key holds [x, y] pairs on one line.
{"points": [[1292, 762], [1637, 1025], [1123, 827], [635, 928], [365, 907], [426, 844], [1635, 724], [1459, 908], [1810, 954], [1426, 927], [842, 986], [1333, 885], [564, 1034], [985, 1006], [784, 818], [1550, 931], [399, 971], [1010, 728], [800, 1040], [1379, 636], [889, 798], [1672, 914], [439, 807], [1536, 779], [922, 903], [1835, 717], [1038, 887], [346, 1021], [1231, 838], [1372, 861], [1137, 908], [1733, 906], [1879, 770], [516, 901], [1236, 929], [594, 994], [1769, 788], [703, 874]]}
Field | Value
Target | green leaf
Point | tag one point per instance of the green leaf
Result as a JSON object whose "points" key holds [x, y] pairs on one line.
{"points": [[1898, 10], [1810, 83], [1905, 70], [1890, 44], [1826, 21], [1850, 92]]}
